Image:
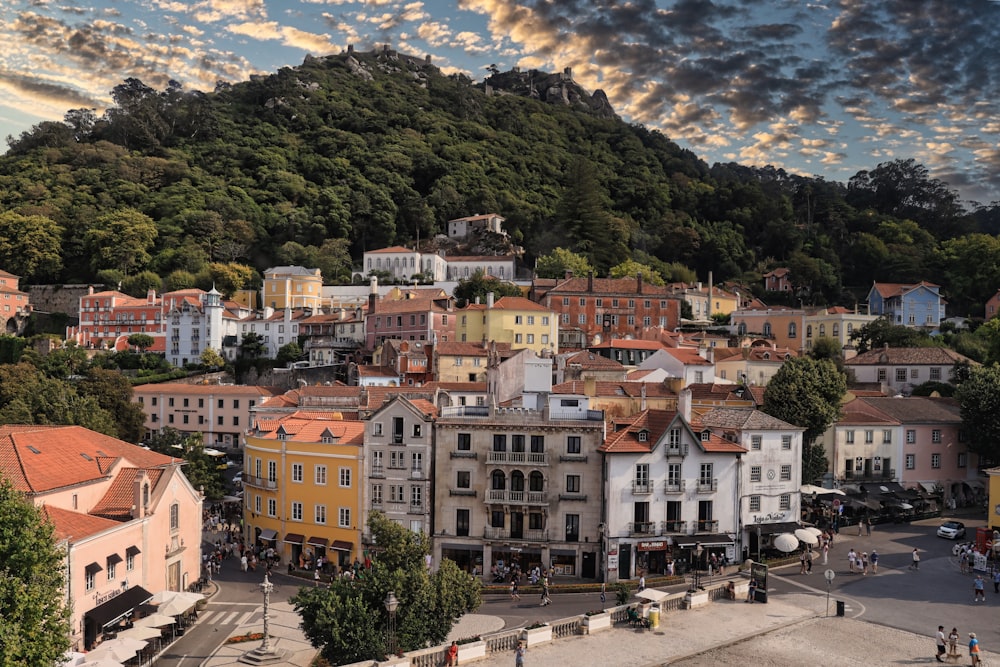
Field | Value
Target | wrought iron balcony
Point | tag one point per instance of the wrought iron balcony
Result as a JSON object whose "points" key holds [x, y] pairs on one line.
{"points": [[675, 527], [641, 487], [672, 487], [708, 526], [708, 485], [679, 449], [642, 528], [491, 533]]}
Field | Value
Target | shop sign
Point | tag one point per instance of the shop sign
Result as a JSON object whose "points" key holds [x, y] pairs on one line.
{"points": [[653, 545], [613, 561], [773, 517]]}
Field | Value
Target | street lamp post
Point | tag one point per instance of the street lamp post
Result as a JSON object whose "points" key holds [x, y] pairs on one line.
{"points": [[391, 604]]}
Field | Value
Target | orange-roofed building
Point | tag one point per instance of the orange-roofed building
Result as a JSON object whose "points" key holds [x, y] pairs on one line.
{"points": [[16, 304], [303, 483], [128, 519], [513, 320], [671, 489]]}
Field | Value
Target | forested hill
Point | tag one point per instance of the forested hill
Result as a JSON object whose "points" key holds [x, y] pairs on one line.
{"points": [[317, 163]]}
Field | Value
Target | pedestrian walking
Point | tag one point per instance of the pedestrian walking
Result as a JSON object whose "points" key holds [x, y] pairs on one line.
{"points": [[874, 559], [978, 588], [809, 562], [514, 595], [996, 580], [519, 655], [802, 563], [963, 560], [642, 582], [915, 563], [861, 526], [751, 591], [604, 597], [868, 526], [316, 577], [851, 558], [826, 551], [864, 563], [939, 640], [545, 594], [974, 649]]}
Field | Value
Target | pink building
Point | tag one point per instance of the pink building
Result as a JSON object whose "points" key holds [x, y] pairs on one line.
{"points": [[128, 518]]}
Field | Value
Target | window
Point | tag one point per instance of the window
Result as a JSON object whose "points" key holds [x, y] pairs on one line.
{"points": [[886, 436], [236, 421], [573, 443], [256, 504], [537, 444], [396, 460], [914, 373], [376, 495], [129, 559], [320, 475], [345, 478], [395, 493], [463, 479], [170, 401], [497, 519], [90, 579], [911, 436], [674, 474], [935, 460], [786, 473], [572, 527], [296, 511], [517, 338], [175, 517], [869, 437], [272, 507], [791, 330], [518, 319], [499, 442], [706, 474], [911, 461], [417, 430], [900, 375], [935, 374], [882, 375], [786, 442], [112, 563], [344, 517], [785, 501], [850, 437], [296, 472], [963, 460], [936, 435], [572, 484], [755, 441], [462, 523], [320, 515], [674, 437], [464, 442], [754, 503], [754, 473]]}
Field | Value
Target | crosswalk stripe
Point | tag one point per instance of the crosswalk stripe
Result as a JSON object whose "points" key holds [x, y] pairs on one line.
{"points": [[229, 619], [207, 617], [245, 618]]}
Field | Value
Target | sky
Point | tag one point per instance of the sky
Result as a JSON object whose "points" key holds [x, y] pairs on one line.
{"points": [[824, 88]]}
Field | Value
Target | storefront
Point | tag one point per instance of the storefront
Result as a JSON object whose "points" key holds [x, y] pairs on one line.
{"points": [[652, 556], [696, 551], [316, 548], [293, 544], [340, 553], [760, 538], [468, 557], [104, 617]]}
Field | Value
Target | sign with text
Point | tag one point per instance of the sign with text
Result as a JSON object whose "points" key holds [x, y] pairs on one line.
{"points": [[758, 573]]}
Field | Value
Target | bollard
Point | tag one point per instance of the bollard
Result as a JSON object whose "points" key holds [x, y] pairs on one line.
{"points": [[840, 607]]}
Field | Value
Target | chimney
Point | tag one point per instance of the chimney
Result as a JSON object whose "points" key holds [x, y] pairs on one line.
{"points": [[638, 282], [140, 494], [151, 297], [90, 289], [372, 294], [567, 274], [590, 281], [489, 300], [684, 404], [642, 396]]}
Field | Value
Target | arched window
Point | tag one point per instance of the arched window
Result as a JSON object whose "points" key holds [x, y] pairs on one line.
{"points": [[741, 329], [535, 481], [836, 330], [850, 328], [175, 517], [499, 481], [791, 329], [809, 331], [517, 481], [767, 328], [822, 330]]}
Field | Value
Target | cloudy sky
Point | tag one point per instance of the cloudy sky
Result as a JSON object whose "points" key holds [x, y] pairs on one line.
{"points": [[819, 88]]}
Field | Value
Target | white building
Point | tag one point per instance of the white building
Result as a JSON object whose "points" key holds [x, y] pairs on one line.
{"points": [[669, 490], [404, 263], [460, 228], [768, 487], [275, 328], [197, 320]]}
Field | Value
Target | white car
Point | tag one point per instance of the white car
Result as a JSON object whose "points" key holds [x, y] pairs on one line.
{"points": [[951, 530]]}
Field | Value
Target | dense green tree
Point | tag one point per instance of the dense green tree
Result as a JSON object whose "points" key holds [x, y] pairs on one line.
{"points": [[560, 261], [288, 353], [201, 469], [631, 268], [979, 398], [120, 240], [27, 396], [882, 332], [227, 278], [35, 628], [113, 392], [583, 216], [252, 345], [211, 358], [478, 285], [30, 246], [347, 620], [807, 392], [141, 341], [141, 283]]}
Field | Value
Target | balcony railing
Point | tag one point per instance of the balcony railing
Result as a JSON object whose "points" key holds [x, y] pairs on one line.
{"points": [[675, 527], [378, 471], [680, 449], [672, 487], [519, 497], [708, 526], [260, 482], [417, 508], [641, 487], [642, 528], [873, 476], [517, 458], [491, 533], [463, 454], [708, 485]]}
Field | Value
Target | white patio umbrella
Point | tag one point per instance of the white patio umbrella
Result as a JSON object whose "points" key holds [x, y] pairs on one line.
{"points": [[805, 536], [72, 659], [810, 489], [99, 662], [786, 542], [179, 604], [141, 632], [814, 530], [651, 594], [155, 621], [119, 651]]}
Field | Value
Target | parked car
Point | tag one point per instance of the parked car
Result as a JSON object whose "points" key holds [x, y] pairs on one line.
{"points": [[951, 530]]}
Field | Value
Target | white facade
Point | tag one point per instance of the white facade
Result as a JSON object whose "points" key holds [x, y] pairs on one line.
{"points": [[275, 329], [403, 263], [195, 322], [459, 268]]}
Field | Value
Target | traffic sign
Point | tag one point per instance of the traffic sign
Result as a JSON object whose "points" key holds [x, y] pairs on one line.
{"points": [[829, 574]]}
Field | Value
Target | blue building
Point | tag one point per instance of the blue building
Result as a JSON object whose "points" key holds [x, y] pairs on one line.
{"points": [[918, 305]]}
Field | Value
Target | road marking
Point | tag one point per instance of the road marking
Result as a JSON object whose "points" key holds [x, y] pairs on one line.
{"points": [[235, 604], [822, 592], [245, 617], [229, 619]]}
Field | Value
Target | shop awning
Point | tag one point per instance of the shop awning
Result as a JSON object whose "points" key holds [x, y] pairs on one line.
{"points": [[132, 551], [863, 503], [293, 538], [342, 545], [318, 542], [118, 606], [974, 483], [712, 540], [774, 528], [93, 568], [114, 559], [268, 534], [881, 487], [929, 487]]}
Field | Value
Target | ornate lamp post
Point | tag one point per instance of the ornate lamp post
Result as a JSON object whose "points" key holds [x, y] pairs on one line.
{"points": [[391, 604], [265, 653]]}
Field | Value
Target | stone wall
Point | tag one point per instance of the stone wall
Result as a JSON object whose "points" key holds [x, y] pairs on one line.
{"points": [[58, 298]]}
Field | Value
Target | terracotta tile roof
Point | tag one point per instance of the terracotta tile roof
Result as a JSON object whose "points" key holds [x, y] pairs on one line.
{"points": [[889, 290], [425, 406], [479, 258], [758, 393], [638, 376], [311, 427], [304, 395], [44, 458], [589, 361], [611, 286], [369, 371], [375, 397], [910, 356], [417, 305], [456, 386], [623, 435], [918, 409], [205, 389], [629, 344], [75, 526], [392, 249], [608, 389], [716, 444], [465, 349], [118, 500], [687, 356], [747, 419], [709, 391], [519, 303], [777, 273], [860, 412]]}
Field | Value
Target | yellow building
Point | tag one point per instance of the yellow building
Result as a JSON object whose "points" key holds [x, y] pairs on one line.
{"points": [[993, 498], [779, 326], [293, 287], [511, 319], [835, 322], [302, 480]]}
